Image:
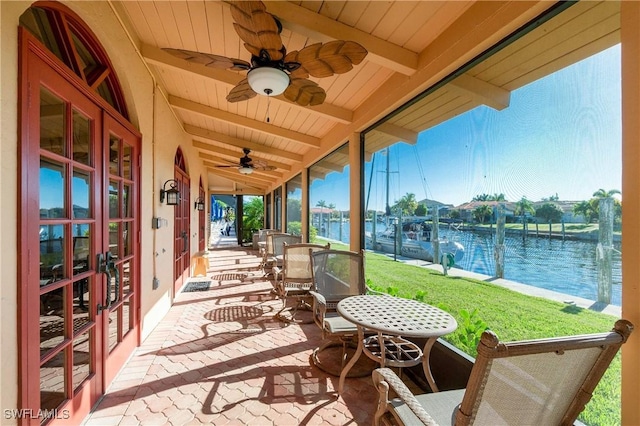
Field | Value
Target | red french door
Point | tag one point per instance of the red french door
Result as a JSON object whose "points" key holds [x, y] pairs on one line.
{"points": [[202, 235], [121, 237], [182, 224], [78, 316]]}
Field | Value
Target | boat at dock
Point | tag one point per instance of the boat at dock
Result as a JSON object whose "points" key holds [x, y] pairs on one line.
{"points": [[415, 241]]}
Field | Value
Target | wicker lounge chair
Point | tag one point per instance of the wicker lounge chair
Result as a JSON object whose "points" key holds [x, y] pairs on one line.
{"points": [[535, 382]]}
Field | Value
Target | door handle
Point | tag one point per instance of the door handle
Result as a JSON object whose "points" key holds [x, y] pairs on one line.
{"points": [[116, 272], [106, 265]]}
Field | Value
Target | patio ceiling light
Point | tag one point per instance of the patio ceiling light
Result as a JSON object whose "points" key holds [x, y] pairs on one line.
{"points": [[245, 170], [268, 81]]}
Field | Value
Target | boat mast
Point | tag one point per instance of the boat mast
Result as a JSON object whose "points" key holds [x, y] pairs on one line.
{"points": [[388, 209]]}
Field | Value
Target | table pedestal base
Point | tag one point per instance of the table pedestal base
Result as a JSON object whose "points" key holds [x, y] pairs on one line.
{"points": [[392, 351]]}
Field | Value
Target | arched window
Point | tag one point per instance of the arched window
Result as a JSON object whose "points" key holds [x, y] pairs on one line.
{"points": [[67, 37], [179, 161]]}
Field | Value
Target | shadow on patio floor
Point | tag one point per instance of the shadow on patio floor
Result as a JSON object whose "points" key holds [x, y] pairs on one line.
{"points": [[219, 357]]}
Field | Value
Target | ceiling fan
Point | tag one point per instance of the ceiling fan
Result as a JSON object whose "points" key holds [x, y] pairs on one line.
{"points": [[247, 165], [272, 70]]}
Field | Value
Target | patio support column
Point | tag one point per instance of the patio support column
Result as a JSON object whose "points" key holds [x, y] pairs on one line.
{"points": [[283, 207], [272, 209], [630, 38], [304, 219], [355, 187]]}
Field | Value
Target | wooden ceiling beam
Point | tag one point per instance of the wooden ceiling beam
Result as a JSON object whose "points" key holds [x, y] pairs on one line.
{"points": [[482, 92], [247, 123], [400, 133], [220, 151], [159, 57], [313, 25], [240, 143]]}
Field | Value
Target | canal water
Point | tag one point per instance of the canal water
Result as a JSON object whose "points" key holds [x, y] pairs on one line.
{"points": [[567, 267]]}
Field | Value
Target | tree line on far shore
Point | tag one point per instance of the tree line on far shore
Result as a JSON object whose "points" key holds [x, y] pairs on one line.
{"points": [[547, 210]]}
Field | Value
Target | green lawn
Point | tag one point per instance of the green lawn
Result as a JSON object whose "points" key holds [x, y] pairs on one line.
{"points": [[511, 315]]}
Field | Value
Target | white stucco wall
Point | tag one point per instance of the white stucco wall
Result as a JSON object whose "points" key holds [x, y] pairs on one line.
{"points": [[161, 136], [9, 14]]}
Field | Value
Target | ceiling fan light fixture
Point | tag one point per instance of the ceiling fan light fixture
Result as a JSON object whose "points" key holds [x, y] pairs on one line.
{"points": [[245, 170], [268, 81]]}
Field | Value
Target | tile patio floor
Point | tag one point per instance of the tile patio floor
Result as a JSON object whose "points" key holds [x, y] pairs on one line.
{"points": [[219, 357]]}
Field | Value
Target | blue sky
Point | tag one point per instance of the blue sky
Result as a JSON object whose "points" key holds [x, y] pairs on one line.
{"points": [[560, 134]]}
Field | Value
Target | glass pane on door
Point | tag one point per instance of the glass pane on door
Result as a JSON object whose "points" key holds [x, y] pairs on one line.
{"points": [[51, 320], [52, 184], [81, 358], [52, 243], [52, 382], [81, 138], [114, 155], [80, 188], [52, 119]]}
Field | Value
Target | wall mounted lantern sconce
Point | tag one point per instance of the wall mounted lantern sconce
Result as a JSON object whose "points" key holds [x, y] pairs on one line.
{"points": [[172, 194], [199, 204]]}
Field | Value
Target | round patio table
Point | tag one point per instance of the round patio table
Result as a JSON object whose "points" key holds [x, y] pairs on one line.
{"points": [[393, 318]]}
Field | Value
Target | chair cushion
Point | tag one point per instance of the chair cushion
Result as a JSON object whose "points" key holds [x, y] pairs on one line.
{"points": [[441, 406], [339, 325]]}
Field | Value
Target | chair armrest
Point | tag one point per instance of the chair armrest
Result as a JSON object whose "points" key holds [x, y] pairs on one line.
{"points": [[278, 283], [383, 378], [318, 298], [319, 309]]}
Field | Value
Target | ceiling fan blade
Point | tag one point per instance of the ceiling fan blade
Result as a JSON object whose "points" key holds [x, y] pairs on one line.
{"points": [[257, 28], [264, 168], [241, 92], [324, 60], [305, 92], [210, 60]]}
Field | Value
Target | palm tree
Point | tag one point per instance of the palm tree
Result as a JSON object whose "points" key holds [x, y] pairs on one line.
{"points": [[253, 214], [481, 213], [606, 212], [481, 197], [591, 209], [601, 193], [523, 207], [322, 204], [551, 198], [407, 204], [332, 208]]}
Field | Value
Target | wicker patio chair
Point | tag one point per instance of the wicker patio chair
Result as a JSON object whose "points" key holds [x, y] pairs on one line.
{"points": [[534, 382], [296, 278], [268, 254], [262, 240], [337, 274]]}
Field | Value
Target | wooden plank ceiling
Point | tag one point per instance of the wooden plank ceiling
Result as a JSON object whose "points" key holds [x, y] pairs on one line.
{"points": [[395, 33]]}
